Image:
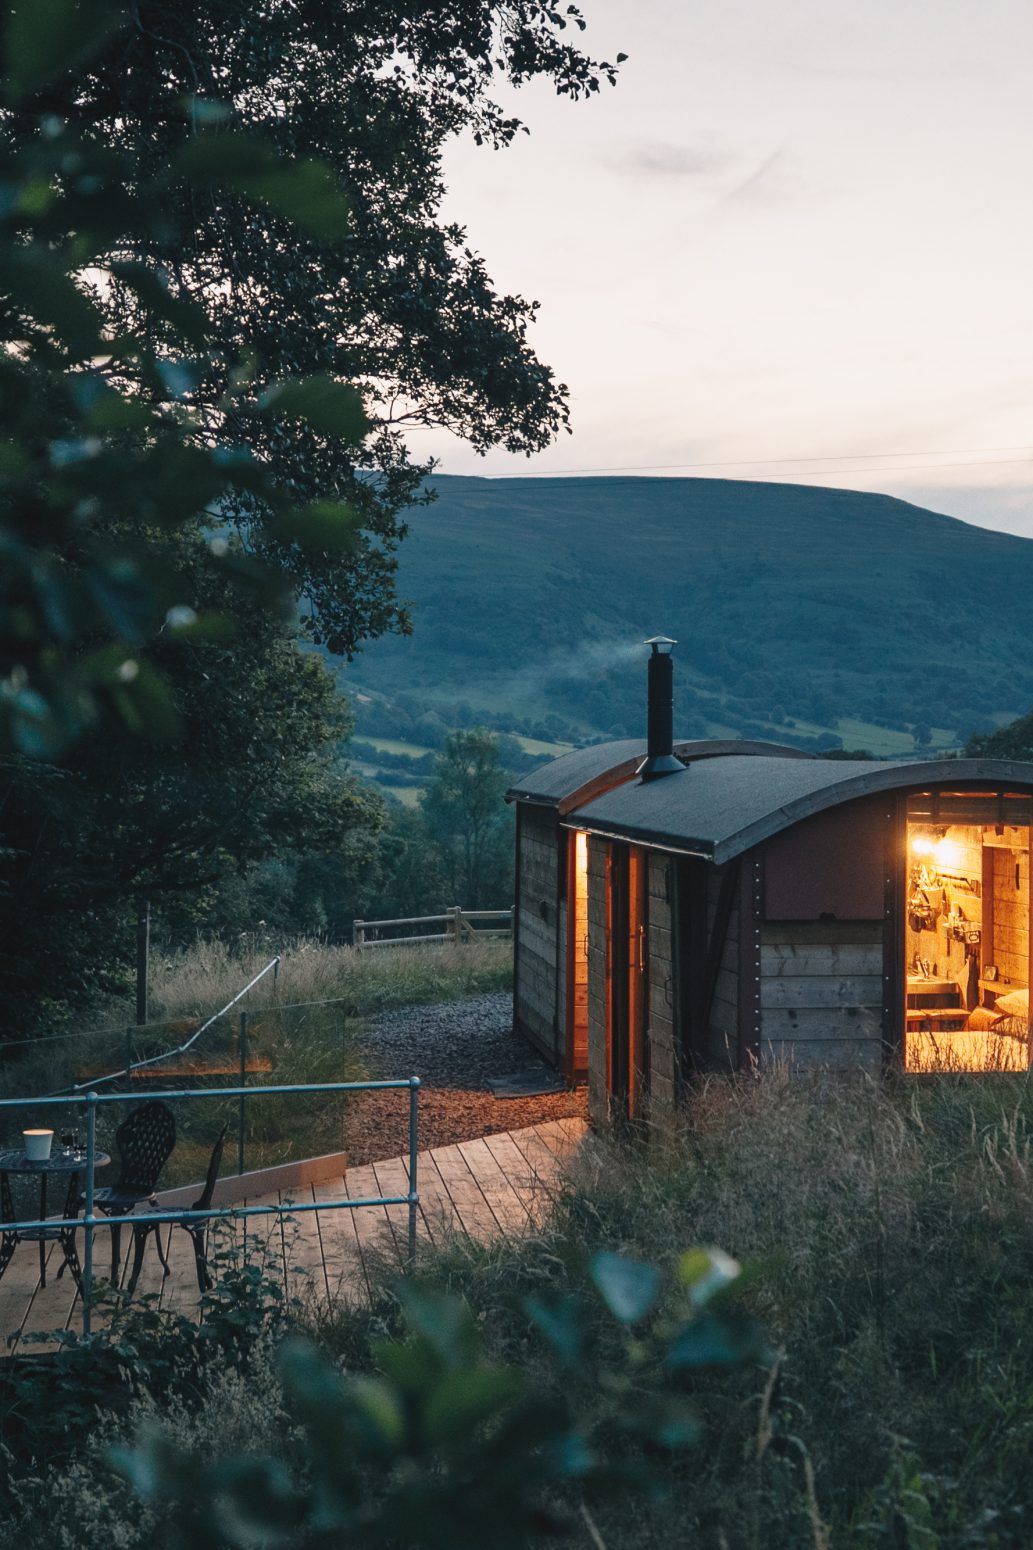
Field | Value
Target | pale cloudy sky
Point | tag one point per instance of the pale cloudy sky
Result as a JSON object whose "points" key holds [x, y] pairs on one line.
{"points": [[794, 230]]}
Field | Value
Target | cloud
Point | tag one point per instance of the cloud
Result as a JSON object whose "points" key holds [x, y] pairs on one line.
{"points": [[667, 159], [759, 186]]}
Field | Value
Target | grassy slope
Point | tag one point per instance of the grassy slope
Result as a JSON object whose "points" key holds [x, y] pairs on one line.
{"points": [[888, 1232], [533, 593]]}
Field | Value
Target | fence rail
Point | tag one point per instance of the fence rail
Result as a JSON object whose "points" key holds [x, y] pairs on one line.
{"points": [[89, 1221], [458, 923]]}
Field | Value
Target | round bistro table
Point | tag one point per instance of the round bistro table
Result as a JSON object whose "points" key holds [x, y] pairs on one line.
{"points": [[72, 1163]]}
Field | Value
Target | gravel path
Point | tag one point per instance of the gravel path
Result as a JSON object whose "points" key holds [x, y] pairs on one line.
{"points": [[453, 1048]]}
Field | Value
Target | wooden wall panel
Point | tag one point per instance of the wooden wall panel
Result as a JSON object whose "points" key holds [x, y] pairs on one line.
{"points": [[821, 993], [598, 1051], [536, 994]]}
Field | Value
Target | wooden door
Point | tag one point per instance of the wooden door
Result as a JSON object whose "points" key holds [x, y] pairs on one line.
{"points": [[576, 1008], [628, 998]]}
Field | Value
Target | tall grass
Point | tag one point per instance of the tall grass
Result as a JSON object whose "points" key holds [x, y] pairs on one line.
{"points": [[304, 1025], [209, 973], [889, 1228]]}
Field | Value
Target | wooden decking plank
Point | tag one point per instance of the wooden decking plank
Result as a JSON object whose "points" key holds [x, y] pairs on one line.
{"points": [[392, 1178], [525, 1179], [562, 1145], [573, 1128], [179, 1292], [52, 1305], [303, 1248], [506, 1203], [475, 1213], [19, 1289], [437, 1207], [342, 1254], [372, 1228]]}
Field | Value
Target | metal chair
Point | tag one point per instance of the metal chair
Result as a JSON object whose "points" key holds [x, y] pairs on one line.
{"points": [[198, 1230], [144, 1141]]}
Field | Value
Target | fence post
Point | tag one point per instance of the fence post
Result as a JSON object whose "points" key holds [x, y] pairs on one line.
{"points": [[358, 933], [129, 1052], [414, 1198], [243, 1082], [91, 1162], [456, 913]]}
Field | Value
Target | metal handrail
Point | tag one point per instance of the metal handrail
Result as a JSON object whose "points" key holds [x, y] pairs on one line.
{"points": [[89, 1221], [169, 1054]]}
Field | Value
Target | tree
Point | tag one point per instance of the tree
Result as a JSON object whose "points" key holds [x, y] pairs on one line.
{"points": [[254, 780], [1014, 741], [468, 824], [401, 305], [107, 451]]}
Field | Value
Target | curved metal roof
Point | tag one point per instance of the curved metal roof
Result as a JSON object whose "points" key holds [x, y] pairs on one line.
{"points": [[719, 808], [584, 773]]}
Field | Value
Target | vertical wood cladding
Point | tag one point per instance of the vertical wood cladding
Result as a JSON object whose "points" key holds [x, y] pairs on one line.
{"points": [[537, 991], [723, 1020], [598, 1051], [663, 1054]]}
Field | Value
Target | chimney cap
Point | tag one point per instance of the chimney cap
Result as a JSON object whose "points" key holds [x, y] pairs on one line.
{"points": [[658, 642]]}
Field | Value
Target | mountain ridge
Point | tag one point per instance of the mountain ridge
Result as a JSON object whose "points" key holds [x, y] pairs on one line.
{"points": [[798, 609]]}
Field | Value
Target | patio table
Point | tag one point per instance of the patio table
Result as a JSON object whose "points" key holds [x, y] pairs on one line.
{"points": [[71, 1162]]}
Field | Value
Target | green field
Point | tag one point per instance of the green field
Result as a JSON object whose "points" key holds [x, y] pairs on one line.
{"points": [[548, 750], [395, 745]]}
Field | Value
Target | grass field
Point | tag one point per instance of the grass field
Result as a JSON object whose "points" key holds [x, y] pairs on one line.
{"points": [[395, 745], [547, 750]]}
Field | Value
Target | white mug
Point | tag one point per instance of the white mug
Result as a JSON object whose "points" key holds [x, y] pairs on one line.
{"points": [[37, 1144]]}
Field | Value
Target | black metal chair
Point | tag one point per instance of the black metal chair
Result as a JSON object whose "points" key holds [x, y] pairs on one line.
{"points": [[144, 1141], [198, 1230]]}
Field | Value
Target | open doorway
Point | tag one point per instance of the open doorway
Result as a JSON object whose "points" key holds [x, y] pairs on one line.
{"points": [[577, 955], [967, 931]]}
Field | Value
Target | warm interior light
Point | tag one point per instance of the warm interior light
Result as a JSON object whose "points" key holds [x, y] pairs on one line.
{"points": [[947, 854], [921, 845]]}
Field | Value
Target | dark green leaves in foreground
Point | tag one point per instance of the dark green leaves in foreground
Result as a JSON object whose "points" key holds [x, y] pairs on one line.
{"points": [[439, 1448], [104, 458]]}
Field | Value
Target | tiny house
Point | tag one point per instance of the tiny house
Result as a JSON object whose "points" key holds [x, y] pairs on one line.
{"points": [[685, 907]]}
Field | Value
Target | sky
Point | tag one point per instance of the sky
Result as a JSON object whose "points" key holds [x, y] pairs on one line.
{"points": [[795, 240]]}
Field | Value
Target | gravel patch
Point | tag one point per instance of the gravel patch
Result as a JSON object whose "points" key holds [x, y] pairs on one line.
{"points": [[453, 1048]]}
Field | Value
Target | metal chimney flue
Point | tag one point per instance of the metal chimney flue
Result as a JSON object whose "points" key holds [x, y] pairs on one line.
{"points": [[660, 758]]}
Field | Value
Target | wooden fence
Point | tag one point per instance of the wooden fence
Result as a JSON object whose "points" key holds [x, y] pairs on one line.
{"points": [[458, 926]]}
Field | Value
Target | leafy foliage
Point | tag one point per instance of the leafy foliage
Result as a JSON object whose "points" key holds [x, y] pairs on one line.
{"points": [[439, 1447], [107, 454], [288, 108], [468, 826]]}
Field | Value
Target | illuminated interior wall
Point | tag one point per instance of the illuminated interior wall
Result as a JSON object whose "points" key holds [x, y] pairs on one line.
{"points": [[967, 944], [579, 955]]}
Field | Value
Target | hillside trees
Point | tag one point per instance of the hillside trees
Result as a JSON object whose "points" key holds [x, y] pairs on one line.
{"points": [[470, 829], [254, 778]]}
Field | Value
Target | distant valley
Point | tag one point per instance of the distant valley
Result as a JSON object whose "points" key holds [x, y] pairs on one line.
{"points": [[815, 616]]}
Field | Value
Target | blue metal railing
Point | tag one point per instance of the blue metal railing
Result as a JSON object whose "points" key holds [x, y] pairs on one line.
{"points": [[89, 1222]]}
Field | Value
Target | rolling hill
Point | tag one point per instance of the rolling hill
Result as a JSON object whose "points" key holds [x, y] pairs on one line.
{"points": [[810, 613]]}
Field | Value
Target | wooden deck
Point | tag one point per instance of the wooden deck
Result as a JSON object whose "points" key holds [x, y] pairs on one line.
{"points": [[495, 1185]]}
